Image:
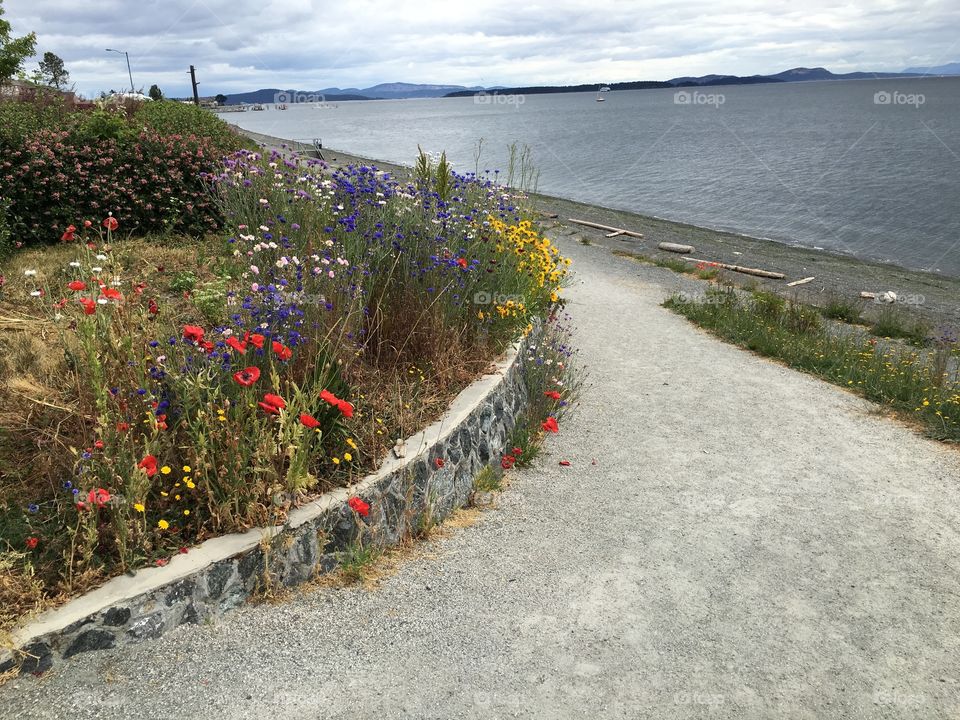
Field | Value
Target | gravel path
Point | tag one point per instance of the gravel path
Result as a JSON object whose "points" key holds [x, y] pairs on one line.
{"points": [[751, 543]]}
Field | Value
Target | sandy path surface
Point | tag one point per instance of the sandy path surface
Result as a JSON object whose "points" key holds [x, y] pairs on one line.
{"points": [[751, 543]]}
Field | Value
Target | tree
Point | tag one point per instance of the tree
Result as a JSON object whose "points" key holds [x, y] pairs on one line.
{"points": [[53, 72], [13, 51], [155, 93], [221, 99]]}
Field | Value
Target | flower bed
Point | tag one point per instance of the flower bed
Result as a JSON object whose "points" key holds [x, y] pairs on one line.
{"points": [[342, 314]]}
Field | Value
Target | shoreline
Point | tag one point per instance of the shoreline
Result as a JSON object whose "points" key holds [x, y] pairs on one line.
{"points": [[933, 297]]}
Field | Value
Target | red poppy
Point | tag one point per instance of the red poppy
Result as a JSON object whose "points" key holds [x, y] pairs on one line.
{"points": [[162, 422], [184, 550], [111, 223], [161, 562], [98, 444], [282, 351], [275, 400], [139, 288], [254, 339], [237, 345], [81, 505], [193, 332], [87, 223], [68, 235], [77, 285], [32, 542], [268, 408], [98, 497], [89, 306], [247, 376], [516, 451], [552, 394], [60, 304], [507, 461], [148, 465], [111, 293], [207, 346], [123, 426], [359, 506], [550, 425], [439, 462], [345, 408], [462, 262], [152, 307], [329, 397], [309, 421]]}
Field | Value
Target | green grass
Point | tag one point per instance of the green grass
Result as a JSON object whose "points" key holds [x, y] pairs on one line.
{"points": [[914, 383], [842, 309], [894, 323], [357, 560], [488, 480]]}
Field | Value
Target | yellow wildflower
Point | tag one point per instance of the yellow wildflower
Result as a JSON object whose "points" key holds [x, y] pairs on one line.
{"points": [[163, 524], [139, 507]]}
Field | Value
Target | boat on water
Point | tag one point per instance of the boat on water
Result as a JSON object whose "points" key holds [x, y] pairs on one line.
{"points": [[258, 106], [600, 90], [280, 107]]}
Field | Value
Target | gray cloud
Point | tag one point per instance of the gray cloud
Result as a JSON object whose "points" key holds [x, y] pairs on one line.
{"points": [[311, 44]]}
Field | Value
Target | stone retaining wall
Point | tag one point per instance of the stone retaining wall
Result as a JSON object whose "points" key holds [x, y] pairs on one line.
{"points": [[221, 573]]}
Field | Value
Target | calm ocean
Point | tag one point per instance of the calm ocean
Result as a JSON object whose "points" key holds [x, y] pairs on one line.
{"points": [[868, 168]]}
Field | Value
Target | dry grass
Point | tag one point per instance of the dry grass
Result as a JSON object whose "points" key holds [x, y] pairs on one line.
{"points": [[388, 562]]}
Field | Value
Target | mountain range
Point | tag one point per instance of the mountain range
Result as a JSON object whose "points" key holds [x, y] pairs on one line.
{"points": [[404, 91]]}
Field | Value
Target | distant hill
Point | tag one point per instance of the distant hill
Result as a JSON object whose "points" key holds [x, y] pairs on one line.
{"points": [[384, 91], [948, 69], [793, 75], [401, 90], [268, 96]]}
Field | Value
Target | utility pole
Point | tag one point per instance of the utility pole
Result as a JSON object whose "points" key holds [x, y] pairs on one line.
{"points": [[193, 81]]}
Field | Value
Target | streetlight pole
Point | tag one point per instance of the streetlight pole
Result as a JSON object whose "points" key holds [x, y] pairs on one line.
{"points": [[129, 72]]}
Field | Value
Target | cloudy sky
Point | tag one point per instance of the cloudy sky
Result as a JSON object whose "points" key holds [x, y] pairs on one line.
{"points": [[240, 45]]}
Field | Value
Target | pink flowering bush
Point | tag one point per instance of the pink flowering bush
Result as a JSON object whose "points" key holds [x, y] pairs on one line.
{"points": [[70, 165]]}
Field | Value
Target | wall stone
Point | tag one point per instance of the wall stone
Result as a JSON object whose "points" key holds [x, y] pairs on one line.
{"points": [[403, 496]]}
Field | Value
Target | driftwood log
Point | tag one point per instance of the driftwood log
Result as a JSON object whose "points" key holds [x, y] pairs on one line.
{"points": [[676, 247], [598, 226], [804, 281], [740, 269]]}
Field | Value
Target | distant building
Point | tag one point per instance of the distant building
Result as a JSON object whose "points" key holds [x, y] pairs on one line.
{"points": [[27, 91]]}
